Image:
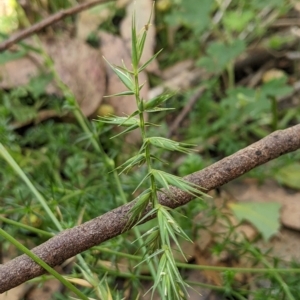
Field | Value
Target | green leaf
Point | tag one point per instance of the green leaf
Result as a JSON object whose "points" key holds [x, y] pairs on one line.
{"points": [[149, 61], [219, 54], [139, 207], [141, 182], [131, 162], [152, 242], [141, 44], [134, 44], [37, 85], [166, 179], [126, 93], [289, 176], [141, 41], [169, 144], [264, 216], [158, 109], [7, 56], [124, 121], [156, 101], [192, 14], [238, 20], [276, 88], [123, 76], [131, 123], [131, 128]]}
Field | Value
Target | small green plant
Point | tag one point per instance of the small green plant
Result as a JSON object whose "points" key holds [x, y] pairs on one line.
{"points": [[160, 239]]}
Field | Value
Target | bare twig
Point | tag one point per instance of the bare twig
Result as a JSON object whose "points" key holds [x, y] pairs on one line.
{"points": [[47, 22], [80, 238]]}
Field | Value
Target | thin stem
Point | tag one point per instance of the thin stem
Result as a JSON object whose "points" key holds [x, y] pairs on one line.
{"points": [[279, 279], [203, 267], [275, 274], [81, 119], [42, 264], [37, 194], [29, 228]]}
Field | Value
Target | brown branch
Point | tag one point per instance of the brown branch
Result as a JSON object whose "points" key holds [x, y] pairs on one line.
{"points": [[21, 35], [80, 238]]}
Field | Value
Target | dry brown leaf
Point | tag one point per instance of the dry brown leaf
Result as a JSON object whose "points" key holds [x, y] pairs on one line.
{"points": [[114, 50], [142, 8], [81, 68]]}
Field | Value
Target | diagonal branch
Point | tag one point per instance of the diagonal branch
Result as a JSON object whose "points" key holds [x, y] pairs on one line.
{"points": [[80, 238], [52, 19]]}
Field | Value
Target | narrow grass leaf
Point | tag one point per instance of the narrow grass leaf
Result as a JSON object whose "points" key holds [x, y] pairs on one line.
{"points": [[159, 176], [121, 121], [158, 109], [179, 182], [142, 181], [162, 226], [178, 284], [141, 44], [170, 145], [156, 101], [131, 162], [134, 51], [150, 213], [152, 242], [157, 252], [158, 159], [174, 224], [135, 113], [131, 128], [139, 207], [43, 264], [125, 93], [172, 285], [123, 76], [149, 61], [161, 271]]}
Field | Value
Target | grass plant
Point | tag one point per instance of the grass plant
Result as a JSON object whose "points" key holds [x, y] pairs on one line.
{"points": [[66, 177], [158, 240]]}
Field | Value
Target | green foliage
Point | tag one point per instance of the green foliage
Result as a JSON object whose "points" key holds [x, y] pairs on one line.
{"points": [[236, 21], [192, 163], [72, 165], [219, 55], [192, 15], [158, 239]]}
